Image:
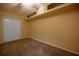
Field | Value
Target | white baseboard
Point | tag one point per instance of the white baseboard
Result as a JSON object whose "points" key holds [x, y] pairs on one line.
{"points": [[8, 41], [54, 45]]}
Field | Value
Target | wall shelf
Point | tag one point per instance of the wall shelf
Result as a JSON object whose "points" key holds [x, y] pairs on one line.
{"points": [[57, 9]]}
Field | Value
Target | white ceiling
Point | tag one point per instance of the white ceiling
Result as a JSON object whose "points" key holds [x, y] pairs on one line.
{"points": [[20, 8]]}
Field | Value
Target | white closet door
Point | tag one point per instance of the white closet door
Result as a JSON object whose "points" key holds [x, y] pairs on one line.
{"points": [[16, 29], [11, 29], [7, 30]]}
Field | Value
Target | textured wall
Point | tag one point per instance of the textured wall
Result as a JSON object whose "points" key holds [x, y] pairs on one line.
{"points": [[61, 30]]}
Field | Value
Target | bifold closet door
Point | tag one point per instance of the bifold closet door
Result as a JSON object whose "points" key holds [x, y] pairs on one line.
{"points": [[7, 30], [11, 29], [16, 29]]}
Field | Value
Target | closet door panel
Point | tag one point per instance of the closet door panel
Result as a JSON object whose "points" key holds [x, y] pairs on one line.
{"points": [[16, 29], [7, 30]]}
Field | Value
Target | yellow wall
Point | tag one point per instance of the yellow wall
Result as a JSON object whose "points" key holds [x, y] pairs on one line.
{"points": [[1, 27], [61, 30], [24, 29]]}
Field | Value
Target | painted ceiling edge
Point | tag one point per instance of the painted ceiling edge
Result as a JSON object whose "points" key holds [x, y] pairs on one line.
{"points": [[20, 8]]}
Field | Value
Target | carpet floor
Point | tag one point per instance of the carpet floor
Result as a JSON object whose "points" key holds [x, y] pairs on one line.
{"points": [[31, 47]]}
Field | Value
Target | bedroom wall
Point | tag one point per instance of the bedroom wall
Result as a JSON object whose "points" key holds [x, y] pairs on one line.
{"points": [[1, 37], [61, 30]]}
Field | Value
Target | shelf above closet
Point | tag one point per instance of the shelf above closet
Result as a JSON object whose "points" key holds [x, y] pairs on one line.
{"points": [[57, 9]]}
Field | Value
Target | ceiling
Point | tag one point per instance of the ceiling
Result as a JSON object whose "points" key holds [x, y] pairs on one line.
{"points": [[23, 9]]}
